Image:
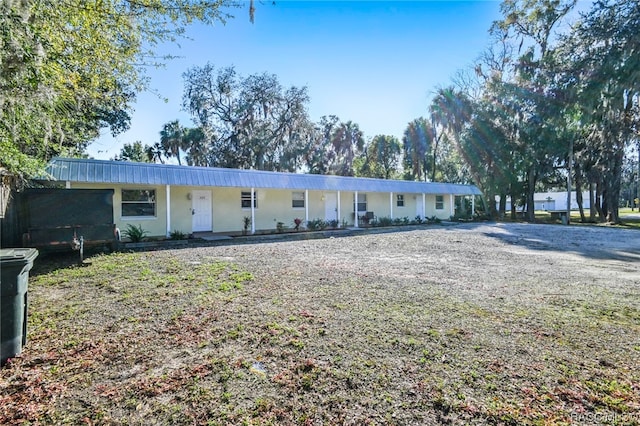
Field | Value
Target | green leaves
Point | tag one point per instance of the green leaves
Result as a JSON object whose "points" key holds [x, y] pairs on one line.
{"points": [[69, 69], [253, 122]]}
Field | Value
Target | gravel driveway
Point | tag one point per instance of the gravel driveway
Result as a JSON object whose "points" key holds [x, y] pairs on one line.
{"points": [[478, 323]]}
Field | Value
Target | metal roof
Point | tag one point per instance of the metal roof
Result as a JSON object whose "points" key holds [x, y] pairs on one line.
{"points": [[124, 172]]}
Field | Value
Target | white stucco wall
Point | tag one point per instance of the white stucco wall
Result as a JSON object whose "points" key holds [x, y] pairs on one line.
{"points": [[273, 206]]}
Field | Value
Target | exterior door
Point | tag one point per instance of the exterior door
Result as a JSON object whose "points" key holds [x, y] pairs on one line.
{"points": [[419, 206], [330, 206], [201, 211]]}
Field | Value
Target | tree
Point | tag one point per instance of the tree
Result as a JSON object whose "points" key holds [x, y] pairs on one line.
{"points": [[319, 153], [602, 52], [381, 158], [333, 146], [154, 153], [347, 141], [133, 152], [252, 122], [173, 139], [69, 69], [417, 140], [197, 146], [533, 22]]}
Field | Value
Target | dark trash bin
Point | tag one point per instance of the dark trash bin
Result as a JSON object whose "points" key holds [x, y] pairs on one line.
{"points": [[15, 265]]}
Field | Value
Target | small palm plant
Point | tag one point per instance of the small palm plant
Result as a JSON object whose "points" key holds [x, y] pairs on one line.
{"points": [[246, 223], [135, 233]]}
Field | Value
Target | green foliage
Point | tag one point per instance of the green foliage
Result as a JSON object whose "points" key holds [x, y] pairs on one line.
{"points": [[332, 223], [417, 140], [135, 233], [381, 158], [384, 221], [246, 223], [317, 225], [274, 119], [133, 152], [280, 227], [69, 70], [334, 147], [178, 235]]}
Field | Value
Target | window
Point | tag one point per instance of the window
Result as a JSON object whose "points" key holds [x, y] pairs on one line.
{"points": [[362, 202], [245, 199], [297, 200], [439, 202], [138, 202], [400, 200]]}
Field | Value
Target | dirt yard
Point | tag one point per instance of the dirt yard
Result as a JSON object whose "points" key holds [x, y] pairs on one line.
{"points": [[477, 323]]}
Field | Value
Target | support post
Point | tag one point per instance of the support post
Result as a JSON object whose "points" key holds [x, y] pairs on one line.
{"points": [[424, 206], [339, 218], [168, 195], [253, 211], [452, 204], [473, 206], [306, 207], [355, 209], [391, 205]]}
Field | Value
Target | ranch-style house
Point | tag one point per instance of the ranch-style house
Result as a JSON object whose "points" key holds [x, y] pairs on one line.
{"points": [[164, 198]]}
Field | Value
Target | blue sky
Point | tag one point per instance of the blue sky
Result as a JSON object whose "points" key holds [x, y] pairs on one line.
{"points": [[376, 63]]}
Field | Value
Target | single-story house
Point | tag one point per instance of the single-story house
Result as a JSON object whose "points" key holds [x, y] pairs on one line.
{"points": [[553, 201], [163, 198]]}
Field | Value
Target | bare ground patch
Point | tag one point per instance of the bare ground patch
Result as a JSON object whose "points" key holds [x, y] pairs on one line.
{"points": [[471, 324]]}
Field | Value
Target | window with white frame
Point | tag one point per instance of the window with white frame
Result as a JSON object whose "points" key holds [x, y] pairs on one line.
{"points": [[439, 202], [297, 200], [400, 200], [245, 199], [362, 202], [138, 203]]}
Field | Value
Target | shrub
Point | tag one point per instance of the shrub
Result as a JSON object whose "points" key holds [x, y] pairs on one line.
{"points": [[177, 235], [246, 224], [280, 227], [385, 221], [316, 225], [135, 233], [418, 219], [433, 219]]}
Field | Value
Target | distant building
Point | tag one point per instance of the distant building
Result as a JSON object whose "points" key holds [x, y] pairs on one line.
{"points": [[551, 201]]}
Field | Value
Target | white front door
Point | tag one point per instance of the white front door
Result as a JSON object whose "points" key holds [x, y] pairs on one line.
{"points": [[330, 206], [419, 206], [201, 211]]}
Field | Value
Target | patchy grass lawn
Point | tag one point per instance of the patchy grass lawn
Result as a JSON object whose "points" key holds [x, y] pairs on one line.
{"points": [[467, 325]]}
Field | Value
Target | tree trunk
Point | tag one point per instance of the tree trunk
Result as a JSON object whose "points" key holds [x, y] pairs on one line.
{"points": [[569, 171], [592, 203], [531, 187], [579, 200], [503, 205], [601, 204]]}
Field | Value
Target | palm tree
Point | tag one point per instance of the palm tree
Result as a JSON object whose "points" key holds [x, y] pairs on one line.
{"points": [[172, 139], [197, 146], [154, 153], [415, 144], [347, 141]]}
